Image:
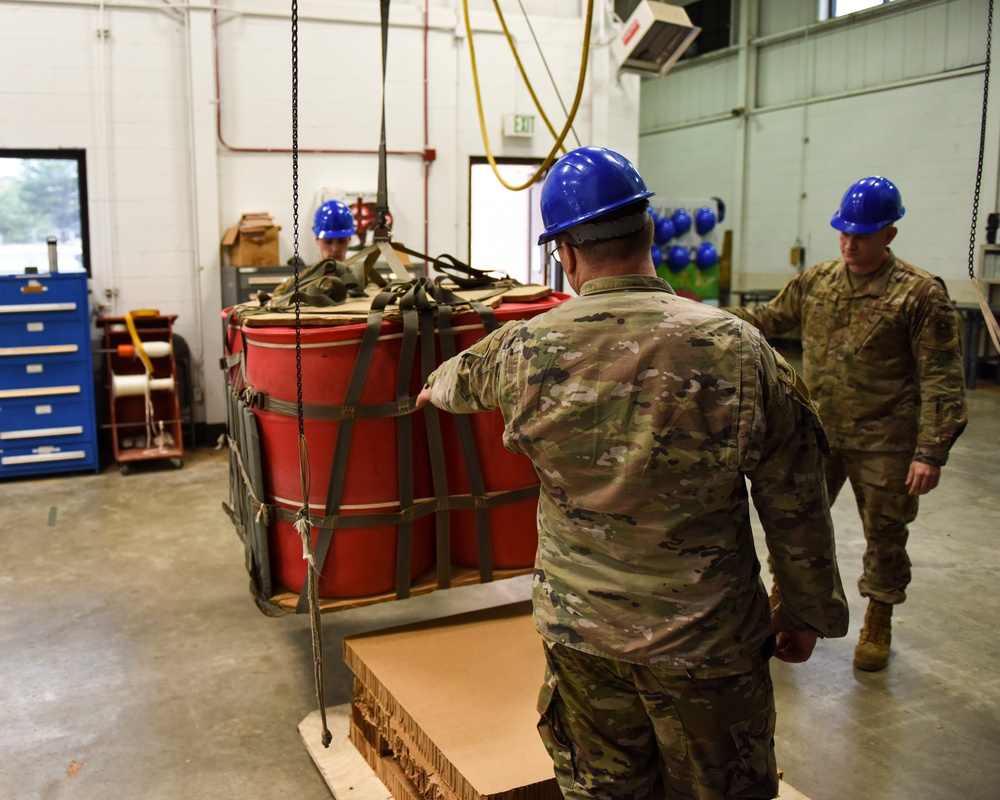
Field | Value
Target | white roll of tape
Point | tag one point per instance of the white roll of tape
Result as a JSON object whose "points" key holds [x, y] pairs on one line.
{"points": [[129, 385]]}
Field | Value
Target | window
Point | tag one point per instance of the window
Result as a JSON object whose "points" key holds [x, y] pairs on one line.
{"points": [[830, 9], [43, 195]]}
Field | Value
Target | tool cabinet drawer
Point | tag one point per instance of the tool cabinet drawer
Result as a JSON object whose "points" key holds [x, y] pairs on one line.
{"points": [[38, 371], [21, 459], [44, 411], [21, 291], [39, 330]]}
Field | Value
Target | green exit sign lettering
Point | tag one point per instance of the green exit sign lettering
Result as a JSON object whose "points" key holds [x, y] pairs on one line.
{"points": [[519, 125]]}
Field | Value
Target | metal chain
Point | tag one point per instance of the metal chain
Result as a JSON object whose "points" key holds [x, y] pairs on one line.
{"points": [[312, 577], [295, 210], [982, 144]]}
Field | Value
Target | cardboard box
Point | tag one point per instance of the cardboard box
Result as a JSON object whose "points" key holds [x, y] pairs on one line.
{"points": [[253, 241], [447, 708]]}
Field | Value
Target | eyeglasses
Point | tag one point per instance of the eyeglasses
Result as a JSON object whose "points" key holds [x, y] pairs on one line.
{"points": [[553, 254]]}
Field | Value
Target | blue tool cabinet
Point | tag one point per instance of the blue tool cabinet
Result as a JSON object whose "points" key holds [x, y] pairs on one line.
{"points": [[47, 415]]}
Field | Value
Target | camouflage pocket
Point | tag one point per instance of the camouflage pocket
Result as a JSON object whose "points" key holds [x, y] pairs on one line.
{"points": [[756, 775], [866, 338], [550, 729]]}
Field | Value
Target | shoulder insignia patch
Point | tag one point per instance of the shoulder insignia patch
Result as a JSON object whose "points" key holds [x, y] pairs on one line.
{"points": [[943, 332]]}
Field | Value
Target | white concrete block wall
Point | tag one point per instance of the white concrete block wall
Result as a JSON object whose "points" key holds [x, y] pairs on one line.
{"points": [[162, 189]]}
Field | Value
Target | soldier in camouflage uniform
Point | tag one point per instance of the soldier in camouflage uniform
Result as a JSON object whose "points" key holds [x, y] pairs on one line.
{"points": [[644, 415], [881, 354]]}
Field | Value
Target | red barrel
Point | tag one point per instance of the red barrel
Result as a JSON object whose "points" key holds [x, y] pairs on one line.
{"points": [[513, 530], [360, 561]]}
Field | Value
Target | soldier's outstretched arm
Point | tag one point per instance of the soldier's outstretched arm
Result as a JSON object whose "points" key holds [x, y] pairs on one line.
{"points": [[789, 492], [780, 315], [469, 382]]}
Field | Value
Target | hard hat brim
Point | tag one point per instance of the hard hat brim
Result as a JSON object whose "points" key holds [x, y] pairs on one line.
{"points": [[862, 228], [549, 235]]}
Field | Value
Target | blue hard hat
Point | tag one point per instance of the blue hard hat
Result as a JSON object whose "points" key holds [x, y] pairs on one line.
{"points": [[678, 258], [653, 215], [657, 255], [584, 185], [664, 230], [704, 220], [706, 255], [333, 220], [682, 221], [869, 205]]}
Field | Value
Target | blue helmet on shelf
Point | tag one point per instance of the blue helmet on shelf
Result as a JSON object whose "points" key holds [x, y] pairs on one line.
{"points": [[868, 205], [333, 220], [585, 185], [678, 258], [664, 231], [706, 255], [657, 255], [682, 221], [704, 220]]}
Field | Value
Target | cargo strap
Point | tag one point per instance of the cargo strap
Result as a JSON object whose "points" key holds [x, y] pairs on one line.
{"points": [[330, 283], [425, 306], [380, 232], [325, 283], [230, 360]]}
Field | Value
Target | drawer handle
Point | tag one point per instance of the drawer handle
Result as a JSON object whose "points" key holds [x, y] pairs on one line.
{"points": [[66, 455], [38, 433]]}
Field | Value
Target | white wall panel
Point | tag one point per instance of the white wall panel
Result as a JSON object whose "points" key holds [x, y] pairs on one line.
{"points": [[778, 16], [905, 43], [775, 182], [699, 161], [784, 73], [897, 134], [687, 94], [896, 91]]}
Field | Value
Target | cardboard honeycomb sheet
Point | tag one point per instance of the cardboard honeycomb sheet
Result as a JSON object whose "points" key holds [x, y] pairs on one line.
{"points": [[452, 702]]}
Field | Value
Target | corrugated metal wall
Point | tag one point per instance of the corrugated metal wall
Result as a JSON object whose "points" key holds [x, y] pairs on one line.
{"points": [[780, 125]]}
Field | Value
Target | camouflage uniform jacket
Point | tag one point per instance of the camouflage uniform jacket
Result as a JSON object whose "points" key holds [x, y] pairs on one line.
{"points": [[882, 358], [643, 413]]}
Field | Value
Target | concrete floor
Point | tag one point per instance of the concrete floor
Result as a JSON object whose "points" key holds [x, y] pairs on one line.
{"points": [[134, 664]]}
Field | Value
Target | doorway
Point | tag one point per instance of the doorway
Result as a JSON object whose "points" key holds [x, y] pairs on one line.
{"points": [[503, 224]]}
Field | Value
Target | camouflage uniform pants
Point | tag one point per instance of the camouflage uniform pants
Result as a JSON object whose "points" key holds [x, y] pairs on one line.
{"points": [[612, 728], [879, 484]]}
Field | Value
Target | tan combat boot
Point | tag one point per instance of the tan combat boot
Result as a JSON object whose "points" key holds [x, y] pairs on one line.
{"points": [[872, 652]]}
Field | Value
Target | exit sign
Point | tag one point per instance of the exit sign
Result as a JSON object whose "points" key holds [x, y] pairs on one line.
{"points": [[519, 125]]}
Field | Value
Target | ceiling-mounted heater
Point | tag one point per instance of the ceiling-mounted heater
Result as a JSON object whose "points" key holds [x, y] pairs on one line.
{"points": [[653, 38]]}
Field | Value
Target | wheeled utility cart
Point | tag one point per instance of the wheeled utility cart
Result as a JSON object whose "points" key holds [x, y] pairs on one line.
{"points": [[141, 379]]}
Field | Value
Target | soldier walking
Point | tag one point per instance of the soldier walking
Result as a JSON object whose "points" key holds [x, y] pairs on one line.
{"points": [[881, 356]]}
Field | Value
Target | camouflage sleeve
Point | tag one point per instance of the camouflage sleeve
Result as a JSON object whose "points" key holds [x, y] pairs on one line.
{"points": [[940, 372], [789, 492], [781, 315], [471, 381]]}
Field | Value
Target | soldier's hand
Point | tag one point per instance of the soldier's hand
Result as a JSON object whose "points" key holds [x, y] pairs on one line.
{"points": [[795, 646], [424, 397], [922, 477]]}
